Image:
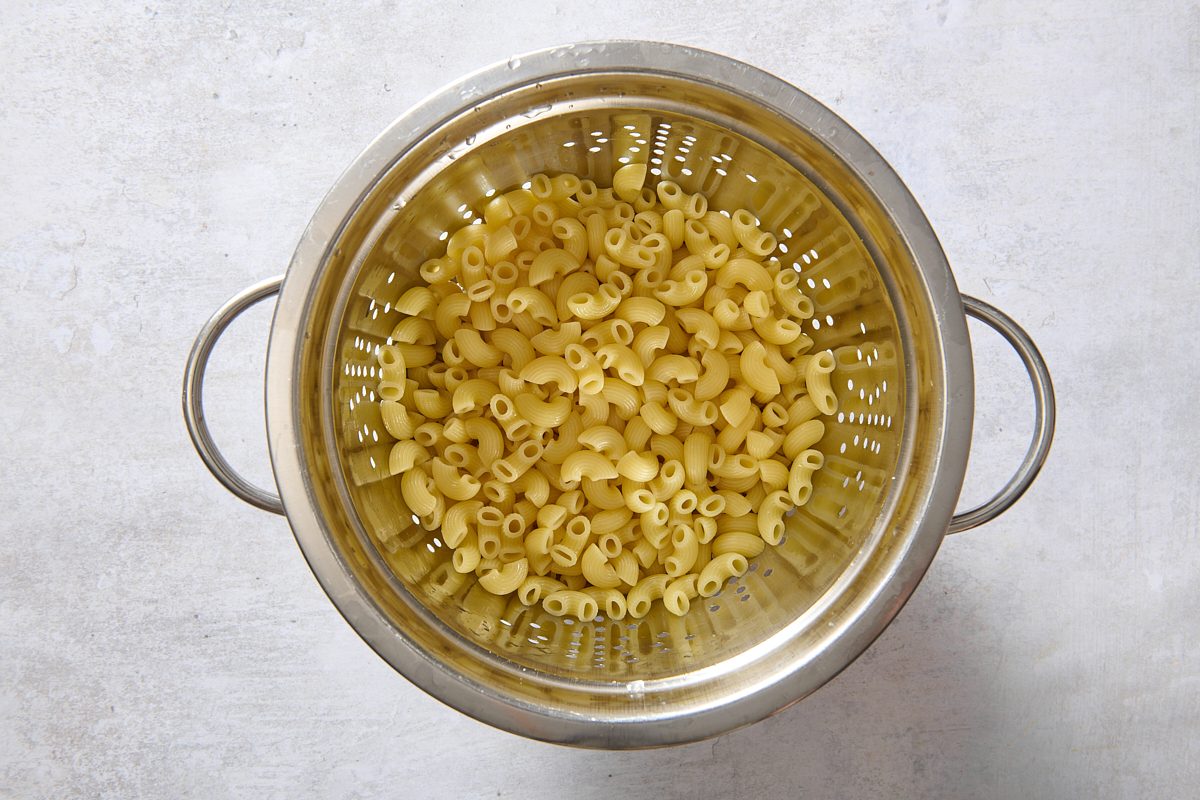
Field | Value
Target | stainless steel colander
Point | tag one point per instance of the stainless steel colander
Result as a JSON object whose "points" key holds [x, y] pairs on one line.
{"points": [[887, 307]]}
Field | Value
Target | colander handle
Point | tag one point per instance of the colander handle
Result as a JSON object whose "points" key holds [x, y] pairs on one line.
{"points": [[193, 396], [1044, 416]]}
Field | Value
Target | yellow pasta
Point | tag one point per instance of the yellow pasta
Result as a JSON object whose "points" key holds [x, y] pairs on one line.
{"points": [[513, 466], [451, 482], [745, 543], [720, 569], [405, 455], [638, 499], [588, 306], [542, 413], [550, 369], [628, 181], [587, 463], [802, 437], [700, 324], [770, 516], [750, 236], [816, 379], [604, 439], [623, 397], [641, 310], [603, 495], [692, 411], [673, 367], [535, 587], [672, 227], [683, 292], [649, 341], [555, 342], [536, 303], [799, 484], [756, 372], [397, 420], [685, 548], [603, 397], [643, 595], [573, 603], [597, 570], [475, 350], [640, 467], [550, 263], [416, 487], [507, 578], [679, 593], [623, 361], [417, 301]]}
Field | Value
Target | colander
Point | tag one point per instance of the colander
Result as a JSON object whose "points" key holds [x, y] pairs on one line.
{"points": [[887, 306]]}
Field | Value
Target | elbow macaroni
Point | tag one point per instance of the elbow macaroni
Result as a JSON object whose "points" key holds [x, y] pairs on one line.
{"points": [[602, 397]]}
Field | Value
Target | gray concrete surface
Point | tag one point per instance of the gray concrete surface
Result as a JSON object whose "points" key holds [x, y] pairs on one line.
{"points": [[159, 639]]}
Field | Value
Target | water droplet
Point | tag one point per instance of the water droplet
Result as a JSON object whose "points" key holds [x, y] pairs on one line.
{"points": [[514, 62], [536, 111]]}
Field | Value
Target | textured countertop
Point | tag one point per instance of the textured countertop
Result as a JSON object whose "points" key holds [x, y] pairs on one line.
{"points": [[160, 639]]}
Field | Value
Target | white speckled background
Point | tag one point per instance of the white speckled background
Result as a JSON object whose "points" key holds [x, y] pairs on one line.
{"points": [[159, 639]]}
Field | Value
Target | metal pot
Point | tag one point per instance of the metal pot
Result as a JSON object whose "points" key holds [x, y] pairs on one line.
{"points": [[887, 305]]}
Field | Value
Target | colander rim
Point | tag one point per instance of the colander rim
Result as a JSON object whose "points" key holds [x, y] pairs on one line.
{"points": [[283, 412]]}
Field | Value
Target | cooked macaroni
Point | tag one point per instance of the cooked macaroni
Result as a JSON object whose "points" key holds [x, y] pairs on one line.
{"points": [[604, 397]]}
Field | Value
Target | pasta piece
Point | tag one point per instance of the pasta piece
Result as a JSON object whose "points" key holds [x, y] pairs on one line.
{"points": [[550, 369], [454, 484], [628, 181], [507, 578], [604, 439], [597, 570], [417, 489], [626, 566], [550, 263], [756, 372], [770, 517], [542, 413], [639, 467], [802, 438], [405, 455], [516, 463], [535, 587], [673, 367], [720, 569], [555, 342], [679, 593], [623, 361], [574, 603], [603, 495], [692, 411], [595, 306], [799, 484], [750, 236], [816, 379], [641, 310], [589, 463], [648, 341], [610, 600], [700, 324], [685, 548], [643, 595], [682, 293]]}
